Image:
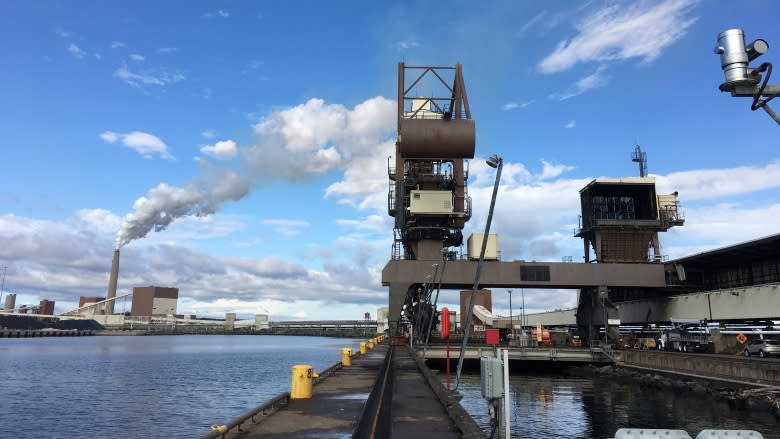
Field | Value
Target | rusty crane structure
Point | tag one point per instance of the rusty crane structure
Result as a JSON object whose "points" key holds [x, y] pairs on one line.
{"points": [[429, 201]]}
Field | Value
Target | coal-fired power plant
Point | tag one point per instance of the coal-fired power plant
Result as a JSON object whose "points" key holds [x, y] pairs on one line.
{"points": [[112, 280]]}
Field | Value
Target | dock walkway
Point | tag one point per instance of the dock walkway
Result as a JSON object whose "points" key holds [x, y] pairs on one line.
{"points": [[338, 402]]}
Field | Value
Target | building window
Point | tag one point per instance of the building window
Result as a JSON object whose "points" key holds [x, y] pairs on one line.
{"points": [[538, 273]]}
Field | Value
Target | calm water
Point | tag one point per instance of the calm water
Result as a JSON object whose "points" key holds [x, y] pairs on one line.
{"points": [[146, 387], [563, 407], [176, 386]]}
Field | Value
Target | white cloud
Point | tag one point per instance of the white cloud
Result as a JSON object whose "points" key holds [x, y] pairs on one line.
{"points": [[550, 170], [219, 13], [147, 78], [532, 22], [76, 51], [117, 44], [209, 133], [699, 184], [594, 80], [314, 138], [98, 57], [407, 44], [63, 33], [287, 227], [570, 124], [623, 31], [136, 57], [146, 144], [109, 136], [224, 149], [514, 105], [373, 223], [167, 49]]}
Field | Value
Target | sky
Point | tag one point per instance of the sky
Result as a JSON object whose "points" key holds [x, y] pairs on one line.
{"points": [[238, 150]]}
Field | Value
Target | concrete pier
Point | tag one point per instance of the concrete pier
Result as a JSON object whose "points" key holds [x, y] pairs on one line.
{"points": [[387, 393]]}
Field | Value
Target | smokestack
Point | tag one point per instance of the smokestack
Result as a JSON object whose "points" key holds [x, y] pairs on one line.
{"points": [[112, 283], [10, 301]]}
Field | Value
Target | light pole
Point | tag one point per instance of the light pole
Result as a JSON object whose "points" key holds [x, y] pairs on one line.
{"points": [[494, 162], [2, 287], [522, 296], [436, 299], [511, 322]]}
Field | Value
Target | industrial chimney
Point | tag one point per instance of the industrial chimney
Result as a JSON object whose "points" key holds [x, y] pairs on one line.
{"points": [[10, 301], [112, 283]]}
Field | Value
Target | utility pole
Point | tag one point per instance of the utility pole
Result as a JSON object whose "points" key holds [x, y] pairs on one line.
{"points": [[511, 322], [2, 286]]}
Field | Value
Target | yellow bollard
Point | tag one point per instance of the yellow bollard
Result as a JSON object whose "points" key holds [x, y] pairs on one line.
{"points": [[370, 344], [302, 376], [222, 429], [346, 357], [362, 348]]}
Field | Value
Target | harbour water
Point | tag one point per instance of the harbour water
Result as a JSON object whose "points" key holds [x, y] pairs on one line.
{"points": [[146, 387], [556, 406], [177, 386]]}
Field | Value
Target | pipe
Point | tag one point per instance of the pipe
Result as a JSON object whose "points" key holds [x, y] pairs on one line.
{"points": [[112, 280]]}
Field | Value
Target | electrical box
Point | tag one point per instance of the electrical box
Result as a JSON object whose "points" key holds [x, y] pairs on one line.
{"points": [[430, 202], [491, 372], [491, 336], [474, 246]]}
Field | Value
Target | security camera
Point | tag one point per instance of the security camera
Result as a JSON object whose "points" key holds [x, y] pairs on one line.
{"points": [[735, 56], [741, 80]]}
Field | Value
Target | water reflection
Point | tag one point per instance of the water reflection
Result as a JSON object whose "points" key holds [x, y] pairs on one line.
{"points": [[558, 406]]}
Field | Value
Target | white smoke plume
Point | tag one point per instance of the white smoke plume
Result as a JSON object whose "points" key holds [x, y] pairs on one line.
{"points": [[293, 144], [164, 203]]}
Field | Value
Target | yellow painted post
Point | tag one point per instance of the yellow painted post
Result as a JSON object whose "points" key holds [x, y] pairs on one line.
{"points": [[370, 344], [346, 357], [362, 348], [301, 384]]}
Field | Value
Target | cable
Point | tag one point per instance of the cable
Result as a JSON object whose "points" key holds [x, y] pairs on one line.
{"points": [[757, 101]]}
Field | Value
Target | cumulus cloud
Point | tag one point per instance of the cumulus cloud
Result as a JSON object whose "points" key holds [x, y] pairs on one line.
{"points": [[314, 137], [66, 258], [570, 124], [551, 170], [148, 145], [222, 150], [701, 184], [117, 44], [623, 31], [209, 133], [136, 57]]}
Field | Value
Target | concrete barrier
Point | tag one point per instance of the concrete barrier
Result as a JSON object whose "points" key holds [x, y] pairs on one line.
{"points": [[719, 367]]}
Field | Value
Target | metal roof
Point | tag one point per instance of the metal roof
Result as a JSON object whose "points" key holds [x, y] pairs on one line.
{"points": [[757, 249]]}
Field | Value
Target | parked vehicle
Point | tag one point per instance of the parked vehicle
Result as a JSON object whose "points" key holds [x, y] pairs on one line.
{"points": [[685, 340], [762, 348]]}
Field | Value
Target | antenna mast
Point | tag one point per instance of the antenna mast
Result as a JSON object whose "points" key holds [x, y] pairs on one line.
{"points": [[640, 157]]}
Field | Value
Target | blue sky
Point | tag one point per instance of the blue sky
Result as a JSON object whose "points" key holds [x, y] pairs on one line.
{"points": [[263, 130]]}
